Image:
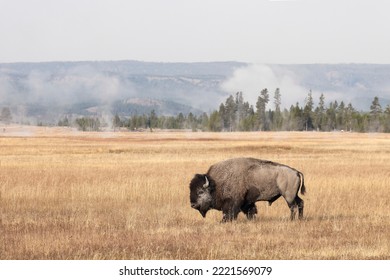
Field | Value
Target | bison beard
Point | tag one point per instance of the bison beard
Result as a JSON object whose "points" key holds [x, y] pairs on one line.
{"points": [[235, 185]]}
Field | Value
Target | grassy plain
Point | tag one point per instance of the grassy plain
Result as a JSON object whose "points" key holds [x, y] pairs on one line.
{"points": [[124, 195]]}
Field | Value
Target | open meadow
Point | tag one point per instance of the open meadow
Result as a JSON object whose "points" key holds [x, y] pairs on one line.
{"points": [[125, 195]]}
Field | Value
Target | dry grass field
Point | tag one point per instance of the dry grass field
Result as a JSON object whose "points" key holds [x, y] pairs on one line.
{"points": [[125, 195]]}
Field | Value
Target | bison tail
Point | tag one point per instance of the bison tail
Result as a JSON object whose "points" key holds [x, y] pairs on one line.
{"points": [[302, 184]]}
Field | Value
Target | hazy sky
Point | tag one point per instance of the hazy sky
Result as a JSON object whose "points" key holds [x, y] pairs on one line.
{"points": [[257, 31]]}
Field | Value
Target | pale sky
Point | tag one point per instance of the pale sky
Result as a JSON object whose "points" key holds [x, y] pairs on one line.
{"points": [[254, 31]]}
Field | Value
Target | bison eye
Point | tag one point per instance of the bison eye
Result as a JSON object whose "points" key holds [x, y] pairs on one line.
{"points": [[200, 191]]}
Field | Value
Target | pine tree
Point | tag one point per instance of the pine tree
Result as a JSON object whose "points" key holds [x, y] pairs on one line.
{"points": [[308, 112], [261, 104], [386, 127], [296, 121], [224, 117], [375, 114], [331, 116], [249, 122], [204, 121], [153, 121], [375, 108], [278, 118], [349, 111], [215, 123], [240, 110], [230, 110], [116, 122], [319, 114], [340, 116]]}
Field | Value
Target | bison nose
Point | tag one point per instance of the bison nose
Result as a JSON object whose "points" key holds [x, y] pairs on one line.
{"points": [[194, 205]]}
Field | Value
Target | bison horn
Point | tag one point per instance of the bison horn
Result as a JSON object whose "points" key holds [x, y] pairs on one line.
{"points": [[206, 185]]}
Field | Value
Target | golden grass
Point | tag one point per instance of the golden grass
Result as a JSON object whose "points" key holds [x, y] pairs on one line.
{"points": [[70, 195]]}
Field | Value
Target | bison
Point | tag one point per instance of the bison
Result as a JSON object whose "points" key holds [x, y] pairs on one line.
{"points": [[236, 184]]}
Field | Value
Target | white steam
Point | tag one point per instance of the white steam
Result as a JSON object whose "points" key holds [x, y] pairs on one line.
{"points": [[78, 84], [253, 78]]}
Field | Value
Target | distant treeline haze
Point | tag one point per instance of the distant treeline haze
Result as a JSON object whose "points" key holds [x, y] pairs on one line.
{"points": [[236, 114]]}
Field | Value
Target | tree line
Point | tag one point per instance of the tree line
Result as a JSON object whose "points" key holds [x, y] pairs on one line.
{"points": [[236, 114]]}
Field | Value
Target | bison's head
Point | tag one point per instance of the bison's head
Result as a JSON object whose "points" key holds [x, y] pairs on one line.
{"points": [[201, 188]]}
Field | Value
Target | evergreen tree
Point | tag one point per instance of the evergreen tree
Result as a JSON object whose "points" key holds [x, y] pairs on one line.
{"points": [[319, 114], [331, 116], [340, 116], [261, 105], [375, 114], [349, 111], [278, 118], [248, 119], [386, 127], [204, 119], [224, 117], [230, 110], [215, 123], [240, 110], [116, 122], [308, 112], [180, 120], [88, 124], [375, 108], [192, 121], [249, 122], [296, 119]]}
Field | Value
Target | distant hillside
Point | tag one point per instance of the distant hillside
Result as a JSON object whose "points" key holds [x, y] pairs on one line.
{"points": [[48, 91]]}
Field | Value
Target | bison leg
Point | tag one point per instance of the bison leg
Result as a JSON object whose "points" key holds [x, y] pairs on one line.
{"points": [[249, 207], [229, 216], [297, 203], [250, 210], [300, 204], [293, 209], [230, 211]]}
